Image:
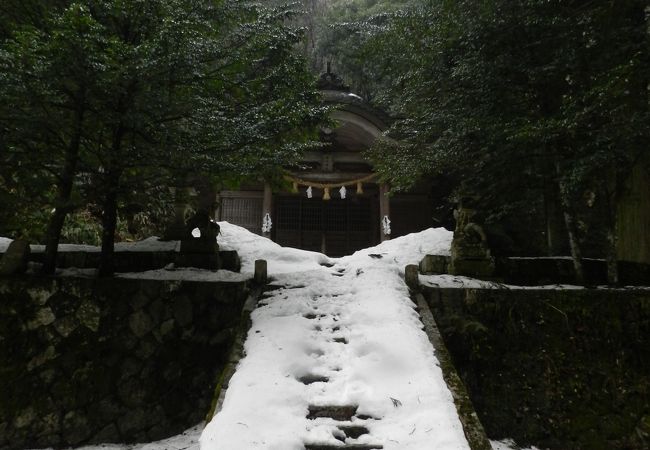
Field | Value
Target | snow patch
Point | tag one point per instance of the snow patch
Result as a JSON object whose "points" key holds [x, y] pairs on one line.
{"points": [[151, 244], [457, 281], [4, 243], [508, 444], [188, 440], [251, 246]]}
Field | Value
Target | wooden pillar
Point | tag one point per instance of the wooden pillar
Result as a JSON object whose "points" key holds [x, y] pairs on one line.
{"points": [[267, 207], [384, 209]]}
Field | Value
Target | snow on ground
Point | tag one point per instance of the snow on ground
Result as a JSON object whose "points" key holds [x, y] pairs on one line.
{"points": [[409, 249], [404, 250], [508, 444], [457, 281], [4, 243], [151, 244], [353, 324], [188, 440], [251, 246]]}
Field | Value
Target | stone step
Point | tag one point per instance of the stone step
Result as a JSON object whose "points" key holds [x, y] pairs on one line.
{"points": [[311, 379], [353, 431], [340, 413], [343, 447]]}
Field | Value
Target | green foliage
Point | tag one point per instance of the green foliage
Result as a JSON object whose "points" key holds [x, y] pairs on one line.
{"points": [[109, 100], [510, 97], [81, 228]]}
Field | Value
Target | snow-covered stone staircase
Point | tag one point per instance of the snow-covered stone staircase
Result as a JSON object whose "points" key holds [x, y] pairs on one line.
{"points": [[343, 421], [336, 359]]}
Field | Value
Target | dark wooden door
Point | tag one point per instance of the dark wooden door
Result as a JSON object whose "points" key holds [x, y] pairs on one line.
{"points": [[335, 227]]}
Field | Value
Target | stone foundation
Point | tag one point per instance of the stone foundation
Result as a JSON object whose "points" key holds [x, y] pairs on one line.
{"points": [[111, 360], [546, 270], [559, 369]]}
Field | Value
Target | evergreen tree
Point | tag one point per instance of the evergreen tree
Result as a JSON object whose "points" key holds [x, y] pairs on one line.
{"points": [[520, 100], [121, 96]]}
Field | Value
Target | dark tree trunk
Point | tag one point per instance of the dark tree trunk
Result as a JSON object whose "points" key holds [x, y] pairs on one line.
{"points": [[555, 228], [109, 215], [612, 256], [572, 229], [611, 194], [109, 226], [576, 252], [64, 192], [52, 238]]}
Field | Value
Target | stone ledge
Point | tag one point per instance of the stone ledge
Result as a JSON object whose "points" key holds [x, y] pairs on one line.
{"points": [[138, 261]]}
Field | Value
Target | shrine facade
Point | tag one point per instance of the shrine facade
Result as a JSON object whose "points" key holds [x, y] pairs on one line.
{"points": [[334, 203]]}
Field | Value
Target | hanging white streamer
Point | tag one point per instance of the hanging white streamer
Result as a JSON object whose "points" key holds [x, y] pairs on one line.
{"points": [[385, 223], [309, 192], [267, 224], [343, 192]]}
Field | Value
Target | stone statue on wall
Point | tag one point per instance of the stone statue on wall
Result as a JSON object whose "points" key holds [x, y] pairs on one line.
{"points": [[200, 249], [470, 254], [206, 242]]}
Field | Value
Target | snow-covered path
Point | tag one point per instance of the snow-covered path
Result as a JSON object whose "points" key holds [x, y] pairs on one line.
{"points": [[337, 354]]}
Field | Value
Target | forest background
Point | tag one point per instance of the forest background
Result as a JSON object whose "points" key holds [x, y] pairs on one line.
{"points": [[526, 109]]}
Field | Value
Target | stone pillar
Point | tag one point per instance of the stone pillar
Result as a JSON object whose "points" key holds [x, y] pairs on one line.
{"points": [[261, 271], [412, 276], [15, 259], [384, 210], [267, 207], [470, 254]]}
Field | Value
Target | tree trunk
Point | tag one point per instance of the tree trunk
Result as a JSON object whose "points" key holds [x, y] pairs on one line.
{"points": [[612, 192], [52, 238], [555, 234], [612, 256], [572, 229], [64, 193], [109, 216], [576, 252], [109, 225]]}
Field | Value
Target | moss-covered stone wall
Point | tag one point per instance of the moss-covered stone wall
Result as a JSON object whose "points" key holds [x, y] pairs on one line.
{"points": [[113, 360], [560, 369]]}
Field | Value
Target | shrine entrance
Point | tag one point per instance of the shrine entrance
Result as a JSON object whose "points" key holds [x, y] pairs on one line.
{"points": [[335, 227], [331, 201]]}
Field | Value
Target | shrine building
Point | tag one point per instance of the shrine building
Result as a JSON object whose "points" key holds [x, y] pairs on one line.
{"points": [[336, 203]]}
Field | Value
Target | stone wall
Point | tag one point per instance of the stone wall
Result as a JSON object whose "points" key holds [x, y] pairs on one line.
{"points": [[559, 369], [110, 360], [548, 270], [138, 261]]}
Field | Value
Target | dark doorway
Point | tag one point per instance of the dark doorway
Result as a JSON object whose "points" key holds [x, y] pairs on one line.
{"points": [[335, 227]]}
